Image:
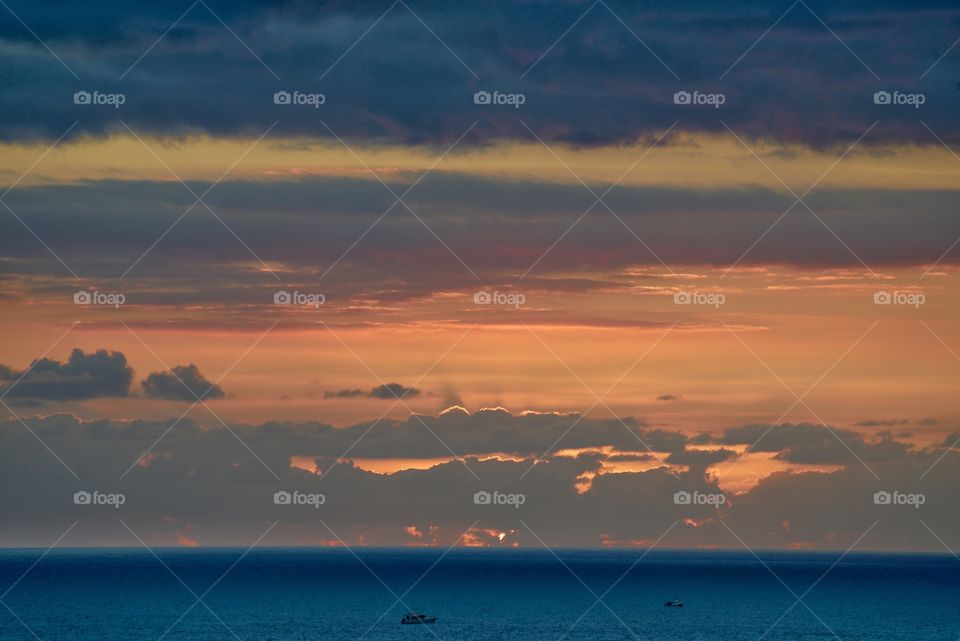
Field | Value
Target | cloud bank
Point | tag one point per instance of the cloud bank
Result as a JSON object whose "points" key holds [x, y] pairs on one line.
{"points": [[209, 480], [610, 80]]}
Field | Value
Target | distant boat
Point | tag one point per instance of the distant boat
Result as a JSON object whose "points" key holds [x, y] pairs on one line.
{"points": [[674, 603], [412, 618]]}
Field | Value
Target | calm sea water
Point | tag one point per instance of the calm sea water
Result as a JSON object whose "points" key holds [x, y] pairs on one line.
{"points": [[287, 595]]}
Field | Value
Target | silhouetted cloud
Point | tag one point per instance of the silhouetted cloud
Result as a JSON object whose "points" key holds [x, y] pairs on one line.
{"points": [[181, 383], [82, 376], [393, 390], [385, 391]]}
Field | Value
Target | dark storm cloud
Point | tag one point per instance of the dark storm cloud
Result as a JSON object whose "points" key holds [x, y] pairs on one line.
{"points": [[206, 480], [181, 383], [599, 84], [82, 376]]}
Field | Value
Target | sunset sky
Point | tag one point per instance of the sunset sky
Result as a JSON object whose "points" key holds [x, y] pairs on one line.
{"points": [[597, 298]]}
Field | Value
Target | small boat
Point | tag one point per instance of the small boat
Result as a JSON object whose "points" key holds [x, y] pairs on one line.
{"points": [[673, 603], [412, 618]]}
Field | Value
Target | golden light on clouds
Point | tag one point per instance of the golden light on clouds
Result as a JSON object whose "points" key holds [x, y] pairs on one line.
{"points": [[688, 159]]}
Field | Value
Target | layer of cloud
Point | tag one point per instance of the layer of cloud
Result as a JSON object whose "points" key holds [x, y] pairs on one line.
{"points": [[486, 222], [816, 444], [598, 84], [209, 480], [345, 393]]}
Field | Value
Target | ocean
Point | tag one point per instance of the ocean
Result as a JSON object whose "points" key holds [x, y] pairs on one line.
{"points": [[313, 594]]}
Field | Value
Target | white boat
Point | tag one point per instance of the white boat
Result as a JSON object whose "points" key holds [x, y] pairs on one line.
{"points": [[413, 618], [674, 603]]}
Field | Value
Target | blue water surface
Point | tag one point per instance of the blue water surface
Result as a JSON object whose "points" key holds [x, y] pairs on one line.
{"points": [[308, 594]]}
